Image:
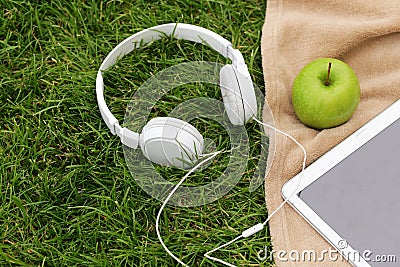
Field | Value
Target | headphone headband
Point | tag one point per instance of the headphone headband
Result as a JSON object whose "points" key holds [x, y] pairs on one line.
{"points": [[179, 31]]}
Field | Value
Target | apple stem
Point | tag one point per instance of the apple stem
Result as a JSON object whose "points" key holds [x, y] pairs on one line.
{"points": [[329, 73]]}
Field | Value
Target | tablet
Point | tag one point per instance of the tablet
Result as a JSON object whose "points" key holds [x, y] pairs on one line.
{"points": [[351, 195]]}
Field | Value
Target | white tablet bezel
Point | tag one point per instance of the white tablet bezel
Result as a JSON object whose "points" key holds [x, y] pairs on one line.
{"points": [[291, 188]]}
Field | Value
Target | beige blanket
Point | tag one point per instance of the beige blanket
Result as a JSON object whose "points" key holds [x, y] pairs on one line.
{"points": [[363, 33]]}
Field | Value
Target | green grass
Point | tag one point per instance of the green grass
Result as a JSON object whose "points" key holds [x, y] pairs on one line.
{"points": [[67, 197]]}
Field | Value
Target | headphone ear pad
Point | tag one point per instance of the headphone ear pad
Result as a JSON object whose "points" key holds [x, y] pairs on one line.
{"points": [[231, 95], [171, 142]]}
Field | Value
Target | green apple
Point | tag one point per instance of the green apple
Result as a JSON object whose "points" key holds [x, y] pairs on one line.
{"points": [[325, 93]]}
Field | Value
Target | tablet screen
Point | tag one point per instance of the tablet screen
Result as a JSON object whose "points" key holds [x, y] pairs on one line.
{"points": [[360, 198]]}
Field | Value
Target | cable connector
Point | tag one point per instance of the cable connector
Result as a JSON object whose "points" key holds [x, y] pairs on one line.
{"points": [[252, 230]]}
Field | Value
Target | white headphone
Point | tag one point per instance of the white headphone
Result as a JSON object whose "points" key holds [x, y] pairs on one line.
{"points": [[172, 142], [169, 141]]}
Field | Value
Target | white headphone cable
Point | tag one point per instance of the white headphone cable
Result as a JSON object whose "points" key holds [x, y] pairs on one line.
{"points": [[258, 227], [212, 155]]}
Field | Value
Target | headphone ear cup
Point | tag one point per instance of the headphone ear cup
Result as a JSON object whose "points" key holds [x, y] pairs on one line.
{"points": [[231, 95], [171, 142]]}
